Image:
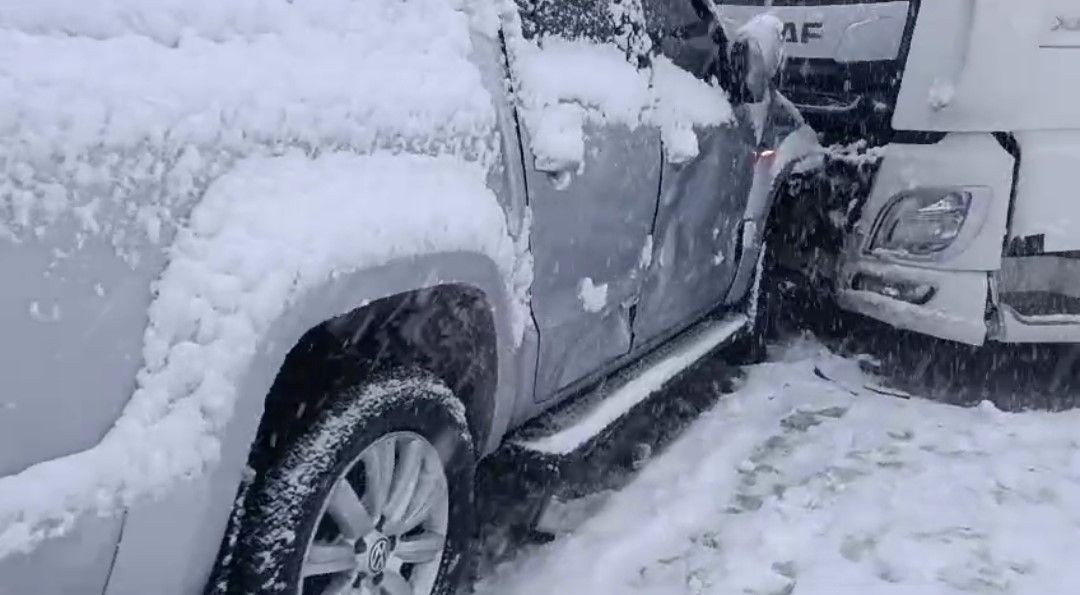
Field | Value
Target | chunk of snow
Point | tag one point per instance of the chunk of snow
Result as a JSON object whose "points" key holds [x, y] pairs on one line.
{"points": [[682, 102], [557, 139], [680, 143], [988, 407], [941, 94], [41, 313], [800, 144], [265, 234], [593, 296], [646, 253]]}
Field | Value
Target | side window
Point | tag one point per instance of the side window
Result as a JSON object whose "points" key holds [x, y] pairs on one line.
{"points": [[571, 19], [601, 21], [680, 30]]}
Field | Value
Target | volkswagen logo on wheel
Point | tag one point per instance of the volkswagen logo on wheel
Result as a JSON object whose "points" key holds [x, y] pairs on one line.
{"points": [[378, 554]]}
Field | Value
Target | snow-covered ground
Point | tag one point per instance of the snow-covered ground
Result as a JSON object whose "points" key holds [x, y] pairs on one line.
{"points": [[798, 484]]}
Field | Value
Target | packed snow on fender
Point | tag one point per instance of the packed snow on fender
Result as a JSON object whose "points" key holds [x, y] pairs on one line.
{"points": [[797, 484], [194, 121]]}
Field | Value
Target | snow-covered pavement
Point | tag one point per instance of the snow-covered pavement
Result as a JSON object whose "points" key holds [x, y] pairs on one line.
{"points": [[799, 485]]}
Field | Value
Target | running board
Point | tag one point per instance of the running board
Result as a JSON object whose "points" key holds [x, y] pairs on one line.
{"points": [[575, 427], [577, 442]]}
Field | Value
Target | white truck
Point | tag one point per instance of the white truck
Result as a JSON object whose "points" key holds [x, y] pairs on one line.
{"points": [[953, 207]]}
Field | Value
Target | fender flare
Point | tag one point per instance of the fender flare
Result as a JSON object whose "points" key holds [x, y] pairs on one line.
{"points": [[195, 514]]}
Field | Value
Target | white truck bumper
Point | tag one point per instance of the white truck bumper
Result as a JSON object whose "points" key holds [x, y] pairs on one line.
{"points": [[945, 304], [942, 293]]}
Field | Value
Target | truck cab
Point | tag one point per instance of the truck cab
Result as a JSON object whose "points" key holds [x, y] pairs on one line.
{"points": [[946, 191]]}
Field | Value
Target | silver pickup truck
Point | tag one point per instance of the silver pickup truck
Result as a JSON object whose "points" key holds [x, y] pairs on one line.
{"points": [[275, 279]]}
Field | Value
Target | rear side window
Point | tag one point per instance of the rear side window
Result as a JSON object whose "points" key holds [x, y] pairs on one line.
{"points": [[680, 31]]}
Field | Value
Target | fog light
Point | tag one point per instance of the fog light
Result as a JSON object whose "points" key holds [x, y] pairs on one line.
{"points": [[912, 293], [922, 222]]}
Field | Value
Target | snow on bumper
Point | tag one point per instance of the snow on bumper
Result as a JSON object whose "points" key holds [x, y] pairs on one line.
{"points": [[945, 304], [263, 235]]}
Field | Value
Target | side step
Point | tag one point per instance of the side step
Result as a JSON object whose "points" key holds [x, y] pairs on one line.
{"points": [[587, 418], [581, 444]]}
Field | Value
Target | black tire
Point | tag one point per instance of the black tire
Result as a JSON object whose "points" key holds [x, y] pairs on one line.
{"points": [[284, 503]]}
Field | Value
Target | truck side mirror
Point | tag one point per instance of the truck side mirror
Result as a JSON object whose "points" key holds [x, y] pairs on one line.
{"points": [[753, 61]]}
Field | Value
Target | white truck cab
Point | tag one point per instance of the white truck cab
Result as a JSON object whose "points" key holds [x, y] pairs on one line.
{"points": [[967, 226]]}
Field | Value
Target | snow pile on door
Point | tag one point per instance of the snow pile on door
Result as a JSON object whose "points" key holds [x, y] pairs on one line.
{"points": [[565, 84], [121, 115]]}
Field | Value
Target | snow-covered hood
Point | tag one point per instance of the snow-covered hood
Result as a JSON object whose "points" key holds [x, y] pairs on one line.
{"points": [[172, 91]]}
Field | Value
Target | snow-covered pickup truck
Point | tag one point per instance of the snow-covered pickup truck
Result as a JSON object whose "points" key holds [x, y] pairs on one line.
{"points": [[276, 274], [958, 215]]}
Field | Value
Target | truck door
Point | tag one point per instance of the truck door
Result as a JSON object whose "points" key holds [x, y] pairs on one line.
{"points": [[702, 200], [592, 171]]}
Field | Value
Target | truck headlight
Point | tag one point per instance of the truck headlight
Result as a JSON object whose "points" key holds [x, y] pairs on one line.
{"points": [[922, 222]]}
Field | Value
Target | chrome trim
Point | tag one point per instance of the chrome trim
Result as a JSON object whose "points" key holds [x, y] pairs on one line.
{"points": [[1047, 320]]}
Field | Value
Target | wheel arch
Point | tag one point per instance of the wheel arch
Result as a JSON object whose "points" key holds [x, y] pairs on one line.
{"points": [[196, 513]]}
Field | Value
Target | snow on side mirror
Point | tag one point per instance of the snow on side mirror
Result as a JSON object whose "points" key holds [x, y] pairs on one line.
{"points": [[757, 54]]}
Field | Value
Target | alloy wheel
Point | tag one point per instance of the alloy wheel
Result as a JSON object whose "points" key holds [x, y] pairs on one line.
{"points": [[382, 527]]}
